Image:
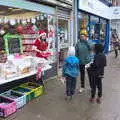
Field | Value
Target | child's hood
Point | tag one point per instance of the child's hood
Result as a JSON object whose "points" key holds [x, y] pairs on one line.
{"points": [[72, 60]]}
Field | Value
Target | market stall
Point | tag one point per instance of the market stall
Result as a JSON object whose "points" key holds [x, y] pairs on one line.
{"points": [[19, 31]]}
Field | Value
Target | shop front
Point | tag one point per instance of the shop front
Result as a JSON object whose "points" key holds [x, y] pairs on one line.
{"points": [[20, 27], [90, 18]]}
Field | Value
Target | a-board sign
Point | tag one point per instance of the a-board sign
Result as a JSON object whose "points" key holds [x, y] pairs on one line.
{"points": [[13, 44], [1, 43]]}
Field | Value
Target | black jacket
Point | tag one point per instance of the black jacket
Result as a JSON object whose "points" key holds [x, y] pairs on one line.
{"points": [[97, 67]]}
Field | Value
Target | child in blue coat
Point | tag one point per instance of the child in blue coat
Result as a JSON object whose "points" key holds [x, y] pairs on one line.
{"points": [[70, 72]]}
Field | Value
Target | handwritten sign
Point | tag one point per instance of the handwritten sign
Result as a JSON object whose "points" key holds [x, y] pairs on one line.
{"points": [[13, 44]]}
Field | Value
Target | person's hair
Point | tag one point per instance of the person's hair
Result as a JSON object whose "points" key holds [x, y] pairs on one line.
{"points": [[71, 51], [99, 48]]}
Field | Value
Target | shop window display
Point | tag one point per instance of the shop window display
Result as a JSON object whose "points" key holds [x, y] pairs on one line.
{"points": [[17, 39], [63, 33], [94, 28], [94, 34], [102, 34], [102, 30], [63, 39]]}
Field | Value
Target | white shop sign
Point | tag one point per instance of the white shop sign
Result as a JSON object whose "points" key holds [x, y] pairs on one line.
{"points": [[95, 7], [115, 12]]}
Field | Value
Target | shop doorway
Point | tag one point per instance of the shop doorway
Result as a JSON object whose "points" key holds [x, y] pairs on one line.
{"points": [[63, 40]]}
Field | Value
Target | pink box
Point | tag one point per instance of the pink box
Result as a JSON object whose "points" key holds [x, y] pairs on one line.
{"points": [[7, 107]]}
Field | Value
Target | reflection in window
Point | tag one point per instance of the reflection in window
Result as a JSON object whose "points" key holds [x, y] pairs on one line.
{"points": [[63, 33]]}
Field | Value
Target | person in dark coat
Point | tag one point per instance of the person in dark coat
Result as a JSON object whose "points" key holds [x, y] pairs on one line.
{"points": [[116, 45], [83, 53], [96, 70]]}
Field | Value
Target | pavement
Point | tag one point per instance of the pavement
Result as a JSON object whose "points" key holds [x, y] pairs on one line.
{"points": [[52, 106]]}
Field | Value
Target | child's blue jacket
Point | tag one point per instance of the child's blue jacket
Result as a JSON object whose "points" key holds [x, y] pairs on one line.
{"points": [[71, 66]]}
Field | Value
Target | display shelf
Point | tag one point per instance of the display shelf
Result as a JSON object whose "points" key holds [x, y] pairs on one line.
{"points": [[28, 42], [4, 81], [28, 51]]}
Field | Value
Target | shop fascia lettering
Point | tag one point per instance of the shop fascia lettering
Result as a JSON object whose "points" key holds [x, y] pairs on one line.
{"points": [[115, 13], [94, 7], [97, 8]]}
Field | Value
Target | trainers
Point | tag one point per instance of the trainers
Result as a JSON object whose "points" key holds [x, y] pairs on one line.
{"points": [[98, 100], [81, 90], [68, 98], [91, 100]]}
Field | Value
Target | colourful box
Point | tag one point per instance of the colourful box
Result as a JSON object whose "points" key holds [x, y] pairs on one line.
{"points": [[7, 106], [18, 97], [27, 92], [36, 88]]}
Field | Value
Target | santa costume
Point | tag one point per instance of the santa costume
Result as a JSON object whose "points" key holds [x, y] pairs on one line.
{"points": [[41, 45]]}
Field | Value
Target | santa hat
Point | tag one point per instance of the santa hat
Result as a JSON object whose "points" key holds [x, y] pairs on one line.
{"points": [[41, 33]]}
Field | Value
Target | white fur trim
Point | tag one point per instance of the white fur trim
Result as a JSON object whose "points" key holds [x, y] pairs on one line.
{"points": [[42, 34]]}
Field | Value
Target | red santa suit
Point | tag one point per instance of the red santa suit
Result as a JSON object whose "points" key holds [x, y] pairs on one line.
{"points": [[42, 46]]}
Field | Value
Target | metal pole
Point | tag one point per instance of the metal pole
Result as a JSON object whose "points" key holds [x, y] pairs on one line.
{"points": [[75, 16]]}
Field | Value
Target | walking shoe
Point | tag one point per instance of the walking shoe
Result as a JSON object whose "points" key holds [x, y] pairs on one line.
{"points": [[91, 100], [81, 90], [68, 98], [98, 100]]}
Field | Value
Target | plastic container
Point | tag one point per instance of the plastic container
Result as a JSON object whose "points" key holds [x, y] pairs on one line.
{"points": [[27, 92], [7, 106], [36, 88], [18, 97]]}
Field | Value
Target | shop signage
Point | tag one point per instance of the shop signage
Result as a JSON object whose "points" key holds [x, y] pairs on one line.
{"points": [[13, 44], [115, 12], [94, 7]]}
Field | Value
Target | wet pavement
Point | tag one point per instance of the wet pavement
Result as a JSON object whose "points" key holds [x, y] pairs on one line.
{"points": [[52, 106]]}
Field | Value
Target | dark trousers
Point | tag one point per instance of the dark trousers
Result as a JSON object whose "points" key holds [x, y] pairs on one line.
{"points": [[89, 77], [70, 85], [96, 82], [82, 76], [116, 52]]}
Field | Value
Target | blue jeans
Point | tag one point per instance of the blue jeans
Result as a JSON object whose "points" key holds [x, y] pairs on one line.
{"points": [[70, 85]]}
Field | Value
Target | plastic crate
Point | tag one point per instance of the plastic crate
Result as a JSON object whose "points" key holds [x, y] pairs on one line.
{"points": [[36, 88], [18, 97], [7, 106], [27, 92]]}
